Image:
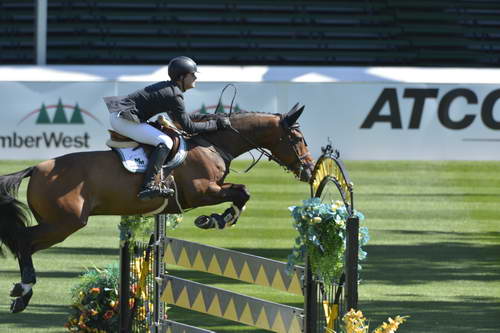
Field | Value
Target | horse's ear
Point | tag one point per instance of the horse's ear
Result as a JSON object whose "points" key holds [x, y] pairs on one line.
{"points": [[291, 117]]}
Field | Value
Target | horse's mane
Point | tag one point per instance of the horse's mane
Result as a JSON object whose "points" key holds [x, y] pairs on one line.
{"points": [[196, 117]]}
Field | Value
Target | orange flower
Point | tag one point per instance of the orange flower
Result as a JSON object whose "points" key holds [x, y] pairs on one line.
{"points": [[95, 290], [108, 314]]}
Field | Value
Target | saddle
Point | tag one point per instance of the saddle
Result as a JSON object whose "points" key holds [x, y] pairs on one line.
{"points": [[134, 155]]}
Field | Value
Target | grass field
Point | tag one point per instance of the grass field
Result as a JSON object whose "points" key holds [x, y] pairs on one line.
{"points": [[434, 252]]}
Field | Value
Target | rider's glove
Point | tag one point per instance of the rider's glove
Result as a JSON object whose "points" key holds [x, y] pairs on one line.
{"points": [[223, 123]]}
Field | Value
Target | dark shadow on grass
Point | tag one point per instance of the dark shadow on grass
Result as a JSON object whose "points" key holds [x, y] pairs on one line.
{"points": [[86, 251], [463, 236], [427, 195], [478, 315], [423, 263], [36, 316], [46, 274]]}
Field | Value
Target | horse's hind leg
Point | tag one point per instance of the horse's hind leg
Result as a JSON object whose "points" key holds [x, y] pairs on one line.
{"points": [[23, 291], [38, 238]]}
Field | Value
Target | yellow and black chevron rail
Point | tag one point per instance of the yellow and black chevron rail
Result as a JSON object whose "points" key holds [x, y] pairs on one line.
{"points": [[169, 326], [233, 306], [233, 264]]}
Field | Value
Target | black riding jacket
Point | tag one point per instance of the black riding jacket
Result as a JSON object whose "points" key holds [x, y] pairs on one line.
{"points": [[166, 96]]}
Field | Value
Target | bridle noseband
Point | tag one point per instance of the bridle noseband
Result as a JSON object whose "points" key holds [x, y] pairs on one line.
{"points": [[292, 141]]}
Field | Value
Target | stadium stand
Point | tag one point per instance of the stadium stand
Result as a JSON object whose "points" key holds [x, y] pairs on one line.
{"points": [[17, 32], [463, 33]]}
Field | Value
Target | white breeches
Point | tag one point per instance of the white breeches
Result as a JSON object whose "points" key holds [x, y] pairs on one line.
{"points": [[142, 132]]}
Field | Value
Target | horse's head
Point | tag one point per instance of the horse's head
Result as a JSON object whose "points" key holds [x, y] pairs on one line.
{"points": [[278, 133], [291, 149]]}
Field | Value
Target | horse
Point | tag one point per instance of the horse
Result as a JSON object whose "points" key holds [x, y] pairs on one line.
{"points": [[63, 192]]}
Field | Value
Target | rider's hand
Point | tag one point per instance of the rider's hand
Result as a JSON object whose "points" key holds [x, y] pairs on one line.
{"points": [[223, 123]]}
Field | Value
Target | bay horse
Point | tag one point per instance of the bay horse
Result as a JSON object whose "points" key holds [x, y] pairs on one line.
{"points": [[63, 192]]}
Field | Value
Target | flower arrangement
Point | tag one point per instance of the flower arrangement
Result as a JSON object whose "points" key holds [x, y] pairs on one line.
{"points": [[322, 235], [355, 322], [95, 299], [95, 302]]}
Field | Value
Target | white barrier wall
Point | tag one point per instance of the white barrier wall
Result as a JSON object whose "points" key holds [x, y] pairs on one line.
{"points": [[370, 120]]}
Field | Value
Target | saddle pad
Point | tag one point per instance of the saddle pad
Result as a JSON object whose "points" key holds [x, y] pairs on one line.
{"points": [[135, 160]]}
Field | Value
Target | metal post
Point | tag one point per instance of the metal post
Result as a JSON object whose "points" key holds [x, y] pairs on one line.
{"points": [[352, 262], [310, 300], [124, 286], [41, 32], [159, 311]]}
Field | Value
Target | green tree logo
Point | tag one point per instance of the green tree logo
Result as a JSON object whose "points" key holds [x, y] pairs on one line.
{"points": [[43, 116], [60, 115]]}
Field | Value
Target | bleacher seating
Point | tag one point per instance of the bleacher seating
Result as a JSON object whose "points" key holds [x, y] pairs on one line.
{"points": [[17, 32], [266, 32]]}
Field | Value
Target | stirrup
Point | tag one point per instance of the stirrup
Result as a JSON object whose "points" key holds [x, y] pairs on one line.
{"points": [[150, 193]]}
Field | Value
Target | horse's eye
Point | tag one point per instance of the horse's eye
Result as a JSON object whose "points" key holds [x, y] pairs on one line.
{"points": [[295, 139]]}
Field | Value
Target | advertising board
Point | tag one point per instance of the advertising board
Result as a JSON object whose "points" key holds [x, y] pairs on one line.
{"points": [[365, 121]]}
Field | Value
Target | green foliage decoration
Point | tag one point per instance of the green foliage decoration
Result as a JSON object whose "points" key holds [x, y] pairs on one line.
{"points": [[138, 228], [322, 235]]}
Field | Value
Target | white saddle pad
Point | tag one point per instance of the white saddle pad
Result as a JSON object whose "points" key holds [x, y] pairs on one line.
{"points": [[135, 160]]}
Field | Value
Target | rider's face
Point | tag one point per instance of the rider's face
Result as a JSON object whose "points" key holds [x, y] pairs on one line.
{"points": [[189, 81]]}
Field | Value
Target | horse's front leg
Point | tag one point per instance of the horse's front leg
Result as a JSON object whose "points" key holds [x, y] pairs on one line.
{"points": [[239, 197], [235, 193]]}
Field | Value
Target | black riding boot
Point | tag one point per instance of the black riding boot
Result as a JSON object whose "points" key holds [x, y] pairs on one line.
{"points": [[151, 187]]}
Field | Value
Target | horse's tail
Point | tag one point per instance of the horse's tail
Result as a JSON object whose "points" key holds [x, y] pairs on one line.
{"points": [[14, 217]]}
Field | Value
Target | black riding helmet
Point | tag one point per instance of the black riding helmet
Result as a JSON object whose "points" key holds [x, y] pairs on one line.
{"points": [[180, 66]]}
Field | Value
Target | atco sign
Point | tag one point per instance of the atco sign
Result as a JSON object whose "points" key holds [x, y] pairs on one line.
{"points": [[483, 109]]}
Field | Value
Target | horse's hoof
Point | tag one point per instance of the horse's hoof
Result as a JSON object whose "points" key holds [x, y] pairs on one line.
{"points": [[205, 222], [20, 303], [210, 222], [17, 290], [230, 216], [218, 221]]}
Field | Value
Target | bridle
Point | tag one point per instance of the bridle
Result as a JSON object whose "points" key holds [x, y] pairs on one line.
{"points": [[291, 140]]}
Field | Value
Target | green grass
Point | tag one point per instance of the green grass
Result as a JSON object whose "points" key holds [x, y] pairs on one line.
{"points": [[434, 252]]}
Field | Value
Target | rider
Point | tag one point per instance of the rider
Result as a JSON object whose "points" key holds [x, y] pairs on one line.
{"points": [[130, 113]]}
